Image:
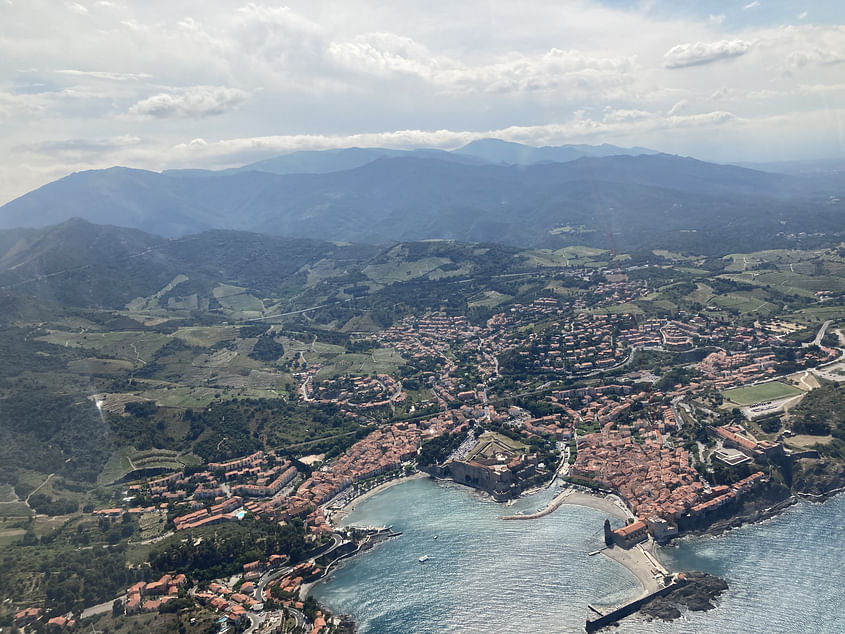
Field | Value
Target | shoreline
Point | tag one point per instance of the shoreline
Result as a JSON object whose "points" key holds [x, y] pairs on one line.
{"points": [[344, 511], [607, 503], [639, 560]]}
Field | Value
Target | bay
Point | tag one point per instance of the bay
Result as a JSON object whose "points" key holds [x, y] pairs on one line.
{"points": [[487, 575]]}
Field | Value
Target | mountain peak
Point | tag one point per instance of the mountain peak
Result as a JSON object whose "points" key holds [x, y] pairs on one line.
{"points": [[508, 152]]}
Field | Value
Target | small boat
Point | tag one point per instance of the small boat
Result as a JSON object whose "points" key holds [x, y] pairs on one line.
{"points": [[435, 537], [424, 558]]}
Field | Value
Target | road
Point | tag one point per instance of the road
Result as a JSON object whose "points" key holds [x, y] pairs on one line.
{"points": [[303, 389], [35, 490], [102, 608], [268, 577], [678, 420], [819, 335], [298, 312], [255, 622], [299, 616]]}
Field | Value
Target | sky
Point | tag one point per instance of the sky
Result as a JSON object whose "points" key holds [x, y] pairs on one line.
{"points": [[153, 84]]}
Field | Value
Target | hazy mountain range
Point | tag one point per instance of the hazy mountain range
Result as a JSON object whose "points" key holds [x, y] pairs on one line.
{"points": [[489, 191]]}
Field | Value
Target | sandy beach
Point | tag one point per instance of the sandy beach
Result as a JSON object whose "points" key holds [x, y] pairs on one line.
{"points": [[639, 563], [637, 560], [338, 515], [609, 504]]}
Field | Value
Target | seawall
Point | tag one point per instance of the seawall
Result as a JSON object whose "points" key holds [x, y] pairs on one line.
{"points": [[630, 608]]}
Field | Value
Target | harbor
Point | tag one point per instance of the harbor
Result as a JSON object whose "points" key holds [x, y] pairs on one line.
{"points": [[387, 590]]}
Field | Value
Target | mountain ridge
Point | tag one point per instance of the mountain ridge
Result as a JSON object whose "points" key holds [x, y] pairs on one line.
{"points": [[640, 200]]}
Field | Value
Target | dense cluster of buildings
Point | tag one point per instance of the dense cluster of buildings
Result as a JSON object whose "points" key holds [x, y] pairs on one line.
{"points": [[735, 437], [656, 481], [224, 600], [356, 392], [215, 494], [618, 289], [150, 596], [428, 336], [581, 345], [727, 369], [633, 461]]}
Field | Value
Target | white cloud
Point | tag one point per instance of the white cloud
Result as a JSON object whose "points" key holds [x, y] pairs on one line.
{"points": [[99, 74], [752, 5], [815, 55], [625, 116], [820, 89], [199, 101], [683, 55], [14, 105], [385, 54], [679, 107], [80, 146], [316, 72], [579, 128], [134, 25], [77, 8], [802, 15]]}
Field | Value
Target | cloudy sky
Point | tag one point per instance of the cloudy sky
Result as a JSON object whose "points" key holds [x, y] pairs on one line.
{"points": [[189, 83]]}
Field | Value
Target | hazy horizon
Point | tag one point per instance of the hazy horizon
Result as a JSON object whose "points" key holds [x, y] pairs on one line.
{"points": [[181, 84]]}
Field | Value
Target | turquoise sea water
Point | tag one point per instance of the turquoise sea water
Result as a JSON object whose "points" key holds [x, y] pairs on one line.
{"points": [[486, 575]]}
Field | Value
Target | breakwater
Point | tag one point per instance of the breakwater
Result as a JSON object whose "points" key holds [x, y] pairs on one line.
{"points": [[516, 581], [628, 609]]}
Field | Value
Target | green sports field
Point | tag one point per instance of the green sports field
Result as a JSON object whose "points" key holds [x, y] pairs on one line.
{"points": [[764, 392]]}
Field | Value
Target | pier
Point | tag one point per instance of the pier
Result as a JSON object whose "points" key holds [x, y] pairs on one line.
{"points": [[629, 608]]}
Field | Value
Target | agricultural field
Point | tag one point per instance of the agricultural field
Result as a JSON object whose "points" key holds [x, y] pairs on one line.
{"points": [[701, 295], [126, 460], [771, 391], [152, 303], [815, 315], [378, 361], [237, 301], [402, 270], [118, 466], [136, 347], [778, 257], [489, 299], [744, 303], [206, 336], [95, 366], [568, 256]]}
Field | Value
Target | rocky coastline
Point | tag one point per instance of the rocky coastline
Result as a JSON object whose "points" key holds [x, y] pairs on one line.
{"points": [[697, 595]]}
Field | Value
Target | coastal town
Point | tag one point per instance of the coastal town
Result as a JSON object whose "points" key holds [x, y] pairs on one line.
{"points": [[595, 421]]}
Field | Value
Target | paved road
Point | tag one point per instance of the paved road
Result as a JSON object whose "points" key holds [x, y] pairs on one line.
{"points": [[102, 608], [265, 580], [819, 334], [299, 616], [255, 622]]}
